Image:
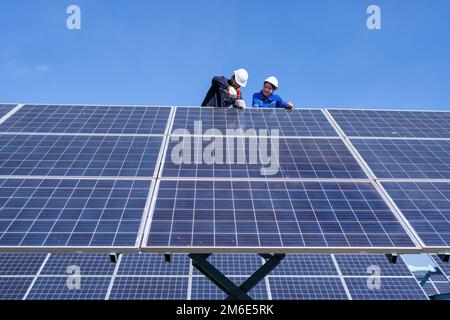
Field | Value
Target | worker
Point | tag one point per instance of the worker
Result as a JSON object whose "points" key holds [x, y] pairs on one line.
{"points": [[227, 92], [266, 97]]}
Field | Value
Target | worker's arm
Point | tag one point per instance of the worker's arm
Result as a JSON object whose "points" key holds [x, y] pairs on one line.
{"points": [[220, 82], [283, 104]]}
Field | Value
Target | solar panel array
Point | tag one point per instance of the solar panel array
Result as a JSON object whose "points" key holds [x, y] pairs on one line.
{"points": [[148, 277], [408, 154], [78, 177]]}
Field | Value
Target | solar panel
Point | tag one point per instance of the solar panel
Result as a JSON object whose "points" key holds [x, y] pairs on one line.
{"points": [[286, 216], [203, 289], [290, 158], [57, 288], [427, 208], [5, 108], [88, 119], [153, 264], [430, 289], [444, 266], [235, 264], [14, 288], [306, 265], [390, 289], [87, 265], [368, 265], [410, 159], [442, 287], [71, 213], [324, 288], [145, 288], [377, 123], [99, 156], [308, 123], [25, 264]]}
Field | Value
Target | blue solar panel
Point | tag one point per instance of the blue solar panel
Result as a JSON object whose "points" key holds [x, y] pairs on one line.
{"points": [[309, 123], [25, 264], [306, 265], [410, 159], [373, 123], [291, 158], [427, 208], [235, 264], [203, 289], [5, 108], [367, 265], [142, 288], [86, 264], [14, 288], [88, 119], [71, 213], [98, 156], [324, 288], [444, 266], [442, 287], [268, 214], [57, 288], [430, 289], [390, 289], [153, 264]]}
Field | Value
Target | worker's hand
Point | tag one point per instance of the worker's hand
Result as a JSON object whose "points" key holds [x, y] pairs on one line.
{"points": [[290, 106], [232, 93]]}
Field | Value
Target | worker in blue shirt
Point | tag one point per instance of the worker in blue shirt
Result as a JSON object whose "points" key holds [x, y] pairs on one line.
{"points": [[266, 97]]}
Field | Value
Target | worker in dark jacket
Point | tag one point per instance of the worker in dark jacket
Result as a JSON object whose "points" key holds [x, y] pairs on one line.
{"points": [[227, 92], [266, 97]]}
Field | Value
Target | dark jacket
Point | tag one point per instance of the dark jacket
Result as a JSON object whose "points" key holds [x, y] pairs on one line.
{"points": [[217, 94]]}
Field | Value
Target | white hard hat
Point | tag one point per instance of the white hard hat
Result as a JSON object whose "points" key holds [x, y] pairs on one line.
{"points": [[273, 81], [241, 77]]}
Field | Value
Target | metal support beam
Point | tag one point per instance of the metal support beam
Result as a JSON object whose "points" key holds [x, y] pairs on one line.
{"points": [[201, 263], [114, 257], [392, 258]]}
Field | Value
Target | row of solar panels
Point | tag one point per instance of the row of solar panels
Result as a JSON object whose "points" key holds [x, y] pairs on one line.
{"points": [[147, 276], [83, 177]]}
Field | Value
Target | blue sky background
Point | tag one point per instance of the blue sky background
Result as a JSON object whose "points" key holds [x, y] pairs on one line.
{"points": [[165, 52]]}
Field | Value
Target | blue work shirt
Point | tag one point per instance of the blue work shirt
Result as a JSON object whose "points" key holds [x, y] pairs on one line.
{"points": [[274, 101]]}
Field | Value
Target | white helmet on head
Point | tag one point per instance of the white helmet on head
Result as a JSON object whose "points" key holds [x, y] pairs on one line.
{"points": [[241, 77], [273, 81]]}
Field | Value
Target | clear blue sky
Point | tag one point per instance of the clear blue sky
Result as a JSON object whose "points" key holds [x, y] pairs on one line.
{"points": [[165, 52]]}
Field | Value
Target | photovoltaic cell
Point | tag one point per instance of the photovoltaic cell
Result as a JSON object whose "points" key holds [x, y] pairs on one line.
{"points": [[24, 264], [204, 289], [145, 288], [88, 119], [269, 214], [405, 124], [98, 156], [85, 265], [310, 123], [410, 159], [390, 289], [242, 158], [430, 289], [443, 287], [367, 265], [71, 213], [153, 265], [306, 265], [427, 208], [61, 288], [324, 288], [14, 288], [5, 108]]}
